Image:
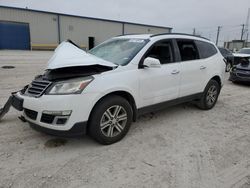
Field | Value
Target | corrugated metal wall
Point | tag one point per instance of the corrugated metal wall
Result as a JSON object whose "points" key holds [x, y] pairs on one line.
{"points": [[79, 29], [44, 27], [131, 28]]}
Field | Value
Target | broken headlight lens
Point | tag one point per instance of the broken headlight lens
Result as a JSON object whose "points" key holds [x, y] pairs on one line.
{"points": [[73, 86]]}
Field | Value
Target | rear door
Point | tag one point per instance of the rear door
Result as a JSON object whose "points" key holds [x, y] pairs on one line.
{"points": [[210, 61], [192, 68], [160, 84]]}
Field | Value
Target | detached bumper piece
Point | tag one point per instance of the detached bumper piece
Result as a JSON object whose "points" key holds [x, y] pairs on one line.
{"points": [[14, 101], [17, 102]]}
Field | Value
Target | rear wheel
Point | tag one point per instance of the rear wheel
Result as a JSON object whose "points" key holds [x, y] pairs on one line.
{"points": [[210, 95], [110, 120]]}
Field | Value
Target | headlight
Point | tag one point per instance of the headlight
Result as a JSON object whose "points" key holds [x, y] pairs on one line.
{"points": [[74, 86]]}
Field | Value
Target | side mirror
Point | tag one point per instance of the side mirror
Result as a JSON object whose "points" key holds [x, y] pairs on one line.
{"points": [[150, 62]]}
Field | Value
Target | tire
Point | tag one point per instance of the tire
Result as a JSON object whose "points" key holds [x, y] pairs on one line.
{"points": [[110, 120], [209, 96], [228, 67]]}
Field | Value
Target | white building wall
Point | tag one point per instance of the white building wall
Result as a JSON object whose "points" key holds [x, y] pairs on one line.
{"points": [[44, 27], [79, 29], [131, 28]]}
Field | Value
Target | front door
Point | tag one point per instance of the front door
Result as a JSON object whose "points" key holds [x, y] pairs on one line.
{"points": [[160, 84]]}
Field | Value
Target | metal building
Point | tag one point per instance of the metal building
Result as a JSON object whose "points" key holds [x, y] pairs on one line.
{"points": [[32, 29]]}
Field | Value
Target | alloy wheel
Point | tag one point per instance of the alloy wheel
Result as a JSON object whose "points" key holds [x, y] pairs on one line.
{"points": [[113, 121], [211, 95]]}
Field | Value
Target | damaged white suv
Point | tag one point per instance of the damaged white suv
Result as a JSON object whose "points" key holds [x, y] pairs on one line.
{"points": [[101, 92]]}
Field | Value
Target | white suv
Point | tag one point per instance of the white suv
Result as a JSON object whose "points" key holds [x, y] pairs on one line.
{"points": [[101, 92]]}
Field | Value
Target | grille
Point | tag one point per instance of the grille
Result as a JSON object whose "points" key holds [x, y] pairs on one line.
{"points": [[37, 87], [30, 114], [47, 118]]}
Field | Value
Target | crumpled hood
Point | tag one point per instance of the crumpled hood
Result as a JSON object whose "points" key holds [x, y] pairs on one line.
{"points": [[68, 55], [241, 55]]}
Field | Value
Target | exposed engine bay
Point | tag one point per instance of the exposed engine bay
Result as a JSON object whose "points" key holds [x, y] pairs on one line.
{"points": [[73, 72]]}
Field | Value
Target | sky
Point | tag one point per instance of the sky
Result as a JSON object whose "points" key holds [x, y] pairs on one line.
{"points": [[182, 15]]}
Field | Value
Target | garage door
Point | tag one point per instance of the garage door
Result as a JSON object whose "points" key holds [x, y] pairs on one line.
{"points": [[14, 36]]}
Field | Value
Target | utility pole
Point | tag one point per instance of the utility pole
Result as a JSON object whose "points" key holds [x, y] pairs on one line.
{"points": [[194, 31], [242, 31], [218, 34], [247, 27], [246, 43]]}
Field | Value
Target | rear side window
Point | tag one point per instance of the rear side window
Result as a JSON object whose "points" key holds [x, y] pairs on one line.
{"points": [[188, 50], [206, 49]]}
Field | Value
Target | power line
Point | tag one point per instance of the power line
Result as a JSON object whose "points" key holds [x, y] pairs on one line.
{"points": [[207, 27]]}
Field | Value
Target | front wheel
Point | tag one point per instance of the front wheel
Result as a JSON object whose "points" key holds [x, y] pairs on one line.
{"points": [[210, 95], [228, 67], [110, 120]]}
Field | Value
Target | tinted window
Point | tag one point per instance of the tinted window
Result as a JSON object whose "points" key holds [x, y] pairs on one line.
{"points": [[162, 51], [225, 52], [206, 49], [188, 50], [245, 51]]}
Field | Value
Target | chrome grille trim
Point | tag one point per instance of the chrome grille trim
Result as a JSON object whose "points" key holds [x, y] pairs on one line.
{"points": [[37, 87]]}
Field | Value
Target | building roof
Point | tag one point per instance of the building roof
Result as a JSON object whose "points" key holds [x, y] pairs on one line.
{"points": [[92, 18]]}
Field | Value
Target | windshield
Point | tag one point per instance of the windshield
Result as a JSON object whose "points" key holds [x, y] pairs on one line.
{"points": [[119, 51], [245, 51], [225, 52]]}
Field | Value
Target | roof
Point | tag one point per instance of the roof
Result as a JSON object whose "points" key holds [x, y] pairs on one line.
{"points": [[92, 18]]}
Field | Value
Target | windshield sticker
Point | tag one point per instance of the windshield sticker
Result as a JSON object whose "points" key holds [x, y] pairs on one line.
{"points": [[137, 40]]}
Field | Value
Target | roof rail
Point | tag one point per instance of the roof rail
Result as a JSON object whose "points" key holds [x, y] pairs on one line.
{"points": [[184, 34]]}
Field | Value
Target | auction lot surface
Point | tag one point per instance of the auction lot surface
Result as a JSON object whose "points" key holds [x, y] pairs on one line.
{"points": [[181, 146]]}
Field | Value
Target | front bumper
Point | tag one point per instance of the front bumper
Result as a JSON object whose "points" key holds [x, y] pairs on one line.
{"points": [[78, 129], [236, 78], [76, 123]]}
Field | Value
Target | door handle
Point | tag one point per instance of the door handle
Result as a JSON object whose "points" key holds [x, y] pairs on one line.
{"points": [[175, 72], [202, 67]]}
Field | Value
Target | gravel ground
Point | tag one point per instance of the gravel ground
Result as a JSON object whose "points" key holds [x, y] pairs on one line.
{"points": [[181, 146]]}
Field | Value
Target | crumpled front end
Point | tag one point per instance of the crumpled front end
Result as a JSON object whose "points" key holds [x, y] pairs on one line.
{"points": [[60, 113]]}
